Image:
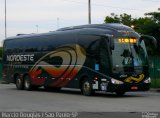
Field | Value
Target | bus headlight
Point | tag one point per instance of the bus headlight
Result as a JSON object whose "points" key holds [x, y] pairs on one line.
{"points": [[148, 80], [114, 81]]}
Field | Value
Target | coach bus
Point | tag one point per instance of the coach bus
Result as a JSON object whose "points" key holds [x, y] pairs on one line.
{"points": [[98, 57]]}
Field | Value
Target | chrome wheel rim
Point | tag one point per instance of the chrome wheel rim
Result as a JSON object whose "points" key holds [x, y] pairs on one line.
{"points": [[86, 87], [27, 83], [19, 82]]}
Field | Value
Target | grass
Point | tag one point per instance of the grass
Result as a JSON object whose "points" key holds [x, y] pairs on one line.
{"points": [[155, 83]]}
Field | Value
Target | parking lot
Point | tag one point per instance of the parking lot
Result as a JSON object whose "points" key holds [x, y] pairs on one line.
{"points": [[12, 99]]}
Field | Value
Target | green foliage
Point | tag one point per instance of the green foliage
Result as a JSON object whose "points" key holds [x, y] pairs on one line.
{"points": [[113, 19], [123, 18], [126, 19], [154, 16]]}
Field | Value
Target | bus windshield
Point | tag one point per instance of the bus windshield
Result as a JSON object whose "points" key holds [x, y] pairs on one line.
{"points": [[129, 53]]}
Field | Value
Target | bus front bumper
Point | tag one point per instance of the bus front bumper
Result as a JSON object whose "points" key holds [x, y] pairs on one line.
{"points": [[128, 87]]}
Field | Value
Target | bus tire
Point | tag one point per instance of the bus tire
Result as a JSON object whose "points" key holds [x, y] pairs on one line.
{"points": [[120, 93], [27, 83], [19, 83], [87, 88]]}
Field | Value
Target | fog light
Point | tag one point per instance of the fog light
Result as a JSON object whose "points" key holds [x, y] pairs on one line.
{"points": [[148, 80], [114, 81]]}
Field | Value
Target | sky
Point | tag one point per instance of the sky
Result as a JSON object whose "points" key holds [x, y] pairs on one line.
{"points": [[39, 16]]}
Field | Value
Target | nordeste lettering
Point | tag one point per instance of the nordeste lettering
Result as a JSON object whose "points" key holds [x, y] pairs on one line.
{"points": [[20, 58]]}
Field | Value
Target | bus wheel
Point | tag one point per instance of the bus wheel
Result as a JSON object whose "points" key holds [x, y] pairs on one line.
{"points": [[27, 83], [120, 93], [87, 88], [19, 83]]}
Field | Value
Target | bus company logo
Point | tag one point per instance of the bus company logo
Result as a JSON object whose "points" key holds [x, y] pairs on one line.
{"points": [[62, 65], [20, 58], [132, 79]]}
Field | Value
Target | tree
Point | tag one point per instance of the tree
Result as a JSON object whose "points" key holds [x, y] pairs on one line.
{"points": [[114, 19], [126, 19], [154, 15], [123, 18], [153, 28]]}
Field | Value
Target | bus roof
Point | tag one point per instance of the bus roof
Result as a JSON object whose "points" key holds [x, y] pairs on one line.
{"points": [[115, 27], [109, 26]]}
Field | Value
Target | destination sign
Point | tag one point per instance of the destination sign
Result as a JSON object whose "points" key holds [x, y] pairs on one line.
{"points": [[127, 40]]}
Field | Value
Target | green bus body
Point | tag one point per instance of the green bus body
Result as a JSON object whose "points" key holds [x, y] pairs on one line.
{"points": [[89, 57]]}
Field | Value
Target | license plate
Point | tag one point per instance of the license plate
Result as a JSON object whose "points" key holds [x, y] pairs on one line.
{"points": [[134, 88]]}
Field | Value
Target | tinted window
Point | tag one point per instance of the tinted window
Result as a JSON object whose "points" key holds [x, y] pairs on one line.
{"points": [[40, 43], [90, 43]]}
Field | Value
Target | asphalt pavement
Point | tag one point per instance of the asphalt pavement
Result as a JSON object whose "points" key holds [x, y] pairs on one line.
{"points": [[70, 100]]}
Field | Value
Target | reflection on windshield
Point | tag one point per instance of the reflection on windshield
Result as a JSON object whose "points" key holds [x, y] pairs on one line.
{"points": [[127, 60], [129, 54]]}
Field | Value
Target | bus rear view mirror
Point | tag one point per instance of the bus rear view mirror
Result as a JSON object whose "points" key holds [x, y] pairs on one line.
{"points": [[149, 40]]}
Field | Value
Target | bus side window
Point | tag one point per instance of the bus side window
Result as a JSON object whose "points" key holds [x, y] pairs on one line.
{"points": [[105, 57]]}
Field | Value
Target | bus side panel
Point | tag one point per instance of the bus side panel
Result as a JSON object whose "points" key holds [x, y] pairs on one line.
{"points": [[66, 63]]}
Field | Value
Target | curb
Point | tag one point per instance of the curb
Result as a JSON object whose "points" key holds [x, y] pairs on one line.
{"points": [[154, 90], [3, 82]]}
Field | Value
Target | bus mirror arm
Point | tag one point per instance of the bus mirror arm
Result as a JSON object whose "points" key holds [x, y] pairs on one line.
{"points": [[109, 38], [111, 41], [152, 40]]}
